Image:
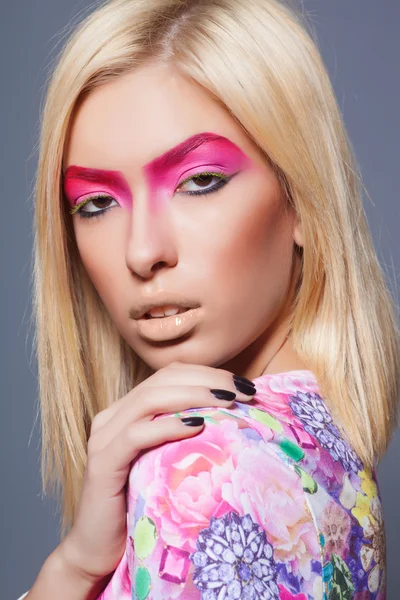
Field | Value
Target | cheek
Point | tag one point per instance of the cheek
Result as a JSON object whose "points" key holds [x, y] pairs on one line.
{"points": [[252, 276], [254, 245], [102, 254]]}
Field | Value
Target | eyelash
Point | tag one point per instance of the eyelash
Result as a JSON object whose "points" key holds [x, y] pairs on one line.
{"points": [[224, 179]]}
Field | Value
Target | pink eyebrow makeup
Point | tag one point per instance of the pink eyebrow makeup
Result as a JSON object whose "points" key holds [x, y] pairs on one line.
{"points": [[201, 152], [81, 181]]}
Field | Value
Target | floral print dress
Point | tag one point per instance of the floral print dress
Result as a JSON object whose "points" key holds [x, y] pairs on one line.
{"points": [[268, 502]]}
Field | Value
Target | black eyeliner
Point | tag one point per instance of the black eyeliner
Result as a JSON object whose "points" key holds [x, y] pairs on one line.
{"points": [[220, 184]]}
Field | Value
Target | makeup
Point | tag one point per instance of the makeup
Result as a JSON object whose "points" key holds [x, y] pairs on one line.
{"points": [[168, 328], [203, 152], [80, 182], [202, 156]]}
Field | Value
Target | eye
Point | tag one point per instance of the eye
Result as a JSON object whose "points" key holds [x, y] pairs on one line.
{"points": [[92, 209], [201, 183]]}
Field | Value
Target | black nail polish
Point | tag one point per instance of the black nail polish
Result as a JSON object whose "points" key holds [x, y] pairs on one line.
{"points": [[193, 421], [244, 385], [243, 380], [223, 394]]}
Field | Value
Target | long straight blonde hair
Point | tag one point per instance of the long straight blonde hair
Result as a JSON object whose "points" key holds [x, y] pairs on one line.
{"points": [[258, 60]]}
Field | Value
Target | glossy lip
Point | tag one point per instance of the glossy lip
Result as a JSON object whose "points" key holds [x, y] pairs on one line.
{"points": [[163, 329], [137, 312], [180, 308]]}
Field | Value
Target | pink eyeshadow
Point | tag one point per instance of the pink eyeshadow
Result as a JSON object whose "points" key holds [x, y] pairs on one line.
{"points": [[81, 181], [214, 153], [199, 153]]}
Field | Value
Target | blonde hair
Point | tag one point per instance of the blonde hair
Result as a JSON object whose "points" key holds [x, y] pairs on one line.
{"points": [[257, 59]]}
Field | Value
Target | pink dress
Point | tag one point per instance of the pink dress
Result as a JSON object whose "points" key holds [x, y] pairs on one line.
{"points": [[268, 502]]}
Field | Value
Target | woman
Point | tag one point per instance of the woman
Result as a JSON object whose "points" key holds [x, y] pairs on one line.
{"points": [[218, 375]]}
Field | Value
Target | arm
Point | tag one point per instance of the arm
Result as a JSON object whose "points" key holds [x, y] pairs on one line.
{"points": [[57, 580]]}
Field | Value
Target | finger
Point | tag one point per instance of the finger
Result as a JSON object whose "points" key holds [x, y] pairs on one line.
{"points": [[108, 467], [101, 418], [207, 376], [159, 378], [156, 401], [186, 375]]}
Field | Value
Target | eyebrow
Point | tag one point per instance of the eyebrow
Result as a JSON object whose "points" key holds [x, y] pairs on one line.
{"points": [[170, 158], [95, 176], [177, 154]]}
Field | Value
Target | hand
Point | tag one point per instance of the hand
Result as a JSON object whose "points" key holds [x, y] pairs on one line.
{"points": [[96, 542]]}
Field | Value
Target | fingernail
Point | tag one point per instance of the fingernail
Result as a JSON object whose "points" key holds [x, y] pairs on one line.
{"points": [[244, 385], [193, 421], [223, 394]]}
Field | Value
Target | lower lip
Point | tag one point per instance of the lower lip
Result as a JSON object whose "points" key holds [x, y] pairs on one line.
{"points": [[167, 328]]}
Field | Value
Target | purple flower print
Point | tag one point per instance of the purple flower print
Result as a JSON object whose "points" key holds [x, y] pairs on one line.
{"points": [[234, 560], [310, 409]]}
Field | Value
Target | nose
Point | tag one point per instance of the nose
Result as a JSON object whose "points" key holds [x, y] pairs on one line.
{"points": [[151, 243]]}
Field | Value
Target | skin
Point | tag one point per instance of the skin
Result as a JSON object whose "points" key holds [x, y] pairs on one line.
{"points": [[230, 252]]}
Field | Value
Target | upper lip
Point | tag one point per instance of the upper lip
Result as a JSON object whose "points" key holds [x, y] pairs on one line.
{"points": [[138, 311]]}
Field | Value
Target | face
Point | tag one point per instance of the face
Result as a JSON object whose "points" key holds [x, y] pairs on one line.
{"points": [[173, 203]]}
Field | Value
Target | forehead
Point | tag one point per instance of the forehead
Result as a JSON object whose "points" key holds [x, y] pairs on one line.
{"points": [[135, 118]]}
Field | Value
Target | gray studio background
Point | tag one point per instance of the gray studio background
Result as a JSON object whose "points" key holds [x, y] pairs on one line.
{"points": [[360, 43]]}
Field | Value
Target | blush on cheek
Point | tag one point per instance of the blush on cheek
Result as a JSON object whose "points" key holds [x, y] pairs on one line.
{"points": [[259, 230], [106, 269]]}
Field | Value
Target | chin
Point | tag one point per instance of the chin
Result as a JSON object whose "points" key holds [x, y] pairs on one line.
{"points": [[186, 350]]}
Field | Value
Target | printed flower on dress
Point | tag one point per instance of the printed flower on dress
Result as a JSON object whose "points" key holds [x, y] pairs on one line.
{"points": [[234, 560], [368, 540], [272, 493], [189, 477], [310, 409], [336, 527], [375, 548], [284, 594]]}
